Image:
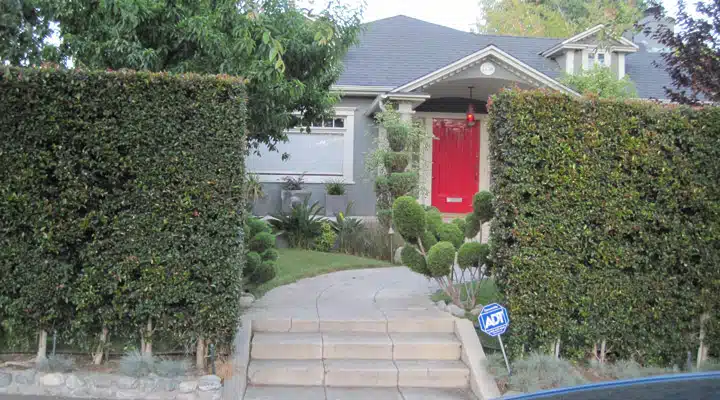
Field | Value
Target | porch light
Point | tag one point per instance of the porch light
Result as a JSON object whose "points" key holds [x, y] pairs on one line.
{"points": [[470, 114]]}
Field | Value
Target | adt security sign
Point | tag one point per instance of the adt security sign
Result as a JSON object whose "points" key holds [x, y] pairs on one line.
{"points": [[494, 319]]}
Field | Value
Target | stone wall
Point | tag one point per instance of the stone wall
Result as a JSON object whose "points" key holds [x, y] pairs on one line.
{"points": [[109, 386]]}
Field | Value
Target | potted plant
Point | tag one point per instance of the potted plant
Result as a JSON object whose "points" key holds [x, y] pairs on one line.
{"points": [[336, 200], [293, 192]]}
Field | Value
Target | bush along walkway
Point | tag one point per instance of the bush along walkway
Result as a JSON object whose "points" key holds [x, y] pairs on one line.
{"points": [[375, 330]]}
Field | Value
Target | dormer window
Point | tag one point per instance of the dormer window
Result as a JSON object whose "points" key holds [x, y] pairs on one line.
{"points": [[597, 57]]}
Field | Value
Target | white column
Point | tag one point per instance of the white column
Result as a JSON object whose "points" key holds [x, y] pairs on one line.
{"points": [[621, 65], [405, 110], [570, 61], [484, 178], [584, 55], [426, 166]]}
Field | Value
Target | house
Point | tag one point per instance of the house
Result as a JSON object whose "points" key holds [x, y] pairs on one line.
{"points": [[427, 70]]}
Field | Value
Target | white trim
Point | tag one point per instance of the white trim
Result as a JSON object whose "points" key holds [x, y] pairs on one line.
{"points": [[568, 43], [570, 62], [621, 65], [474, 58], [347, 89], [348, 133]]}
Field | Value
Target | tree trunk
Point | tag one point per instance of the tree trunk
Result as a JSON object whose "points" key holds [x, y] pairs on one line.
{"points": [[147, 347], [557, 348], [42, 345], [100, 351], [200, 359], [603, 346], [702, 354]]}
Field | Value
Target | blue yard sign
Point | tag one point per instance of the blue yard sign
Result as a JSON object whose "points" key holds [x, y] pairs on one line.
{"points": [[494, 321]]}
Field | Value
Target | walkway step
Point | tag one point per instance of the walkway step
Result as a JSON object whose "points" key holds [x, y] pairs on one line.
{"points": [[331, 393], [360, 373], [349, 345], [401, 323]]}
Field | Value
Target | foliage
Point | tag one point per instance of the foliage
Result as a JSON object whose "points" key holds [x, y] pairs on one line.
{"points": [[116, 215], [408, 218], [296, 264], [391, 165], [137, 364], [289, 59], [23, 33], [450, 233], [373, 240], [483, 211], [55, 363], [414, 260], [433, 220], [302, 225], [261, 256], [440, 259], [460, 223], [335, 187], [693, 59], [557, 18], [254, 189], [473, 254], [606, 215], [626, 369], [293, 183], [347, 229], [537, 372], [601, 82], [326, 241]]}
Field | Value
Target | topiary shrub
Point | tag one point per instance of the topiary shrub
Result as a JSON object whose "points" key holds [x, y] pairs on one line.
{"points": [[451, 233], [473, 254], [402, 183], [408, 218], [460, 223], [326, 241], [482, 212], [440, 259], [433, 220], [428, 239], [261, 255], [396, 161], [414, 260]]}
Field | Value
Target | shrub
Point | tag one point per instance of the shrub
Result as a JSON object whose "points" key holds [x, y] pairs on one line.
{"points": [[137, 364], [606, 215], [440, 259], [433, 220], [302, 224], [414, 260], [482, 212], [294, 183], [450, 233], [120, 202], [261, 256], [396, 161], [335, 187], [473, 254], [540, 372], [372, 240], [626, 369], [402, 183], [428, 239], [347, 229], [460, 223], [409, 218], [326, 241]]}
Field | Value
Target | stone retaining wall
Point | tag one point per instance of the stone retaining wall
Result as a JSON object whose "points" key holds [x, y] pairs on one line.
{"points": [[109, 386]]}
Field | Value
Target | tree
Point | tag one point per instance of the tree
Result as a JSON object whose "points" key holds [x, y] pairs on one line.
{"points": [[600, 81], [24, 26], [289, 59], [694, 60], [557, 18]]}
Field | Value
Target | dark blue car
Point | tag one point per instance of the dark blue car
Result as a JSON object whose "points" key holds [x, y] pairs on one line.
{"points": [[699, 386]]}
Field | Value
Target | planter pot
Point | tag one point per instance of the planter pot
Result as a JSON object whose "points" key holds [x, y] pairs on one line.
{"points": [[292, 197], [335, 204]]}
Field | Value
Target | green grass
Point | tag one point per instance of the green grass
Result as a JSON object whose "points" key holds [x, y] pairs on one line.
{"points": [[296, 264], [487, 293]]}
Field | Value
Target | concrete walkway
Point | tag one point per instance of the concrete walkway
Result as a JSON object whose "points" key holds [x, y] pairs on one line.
{"points": [[366, 294]]}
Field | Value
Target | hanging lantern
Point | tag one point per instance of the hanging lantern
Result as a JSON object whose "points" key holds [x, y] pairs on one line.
{"points": [[470, 114]]}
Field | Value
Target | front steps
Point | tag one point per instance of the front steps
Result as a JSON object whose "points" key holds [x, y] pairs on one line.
{"points": [[375, 360]]}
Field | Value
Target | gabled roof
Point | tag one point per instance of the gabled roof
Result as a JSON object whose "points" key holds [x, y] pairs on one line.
{"points": [[396, 51], [569, 43]]}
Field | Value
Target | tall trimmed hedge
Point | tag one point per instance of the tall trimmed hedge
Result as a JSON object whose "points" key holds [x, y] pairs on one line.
{"points": [[607, 224], [121, 202]]}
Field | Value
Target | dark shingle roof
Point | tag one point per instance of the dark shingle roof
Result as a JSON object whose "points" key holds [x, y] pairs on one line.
{"points": [[397, 50]]}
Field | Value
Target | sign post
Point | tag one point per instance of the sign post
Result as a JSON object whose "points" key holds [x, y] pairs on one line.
{"points": [[494, 321]]}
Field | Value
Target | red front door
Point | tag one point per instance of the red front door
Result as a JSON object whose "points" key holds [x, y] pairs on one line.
{"points": [[456, 165]]}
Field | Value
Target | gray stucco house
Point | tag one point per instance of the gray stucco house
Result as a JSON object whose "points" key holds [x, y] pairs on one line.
{"points": [[427, 69]]}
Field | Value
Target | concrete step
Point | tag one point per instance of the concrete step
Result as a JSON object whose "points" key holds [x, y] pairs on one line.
{"points": [[442, 323], [351, 345], [321, 393], [360, 373], [331, 393]]}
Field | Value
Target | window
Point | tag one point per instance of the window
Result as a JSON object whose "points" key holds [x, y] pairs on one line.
{"points": [[596, 57], [324, 153]]}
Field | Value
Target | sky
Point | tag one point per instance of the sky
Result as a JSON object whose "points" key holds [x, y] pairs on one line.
{"points": [[458, 14]]}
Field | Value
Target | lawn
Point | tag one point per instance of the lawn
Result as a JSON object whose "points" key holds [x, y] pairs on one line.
{"points": [[296, 264]]}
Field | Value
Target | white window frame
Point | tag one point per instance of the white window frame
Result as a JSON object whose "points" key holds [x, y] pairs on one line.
{"points": [[596, 52], [348, 133]]}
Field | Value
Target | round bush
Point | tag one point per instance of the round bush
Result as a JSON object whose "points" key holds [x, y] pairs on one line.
{"points": [[256, 225], [402, 183], [326, 241], [440, 259], [270, 255], [252, 261], [451, 233], [408, 218], [262, 241], [414, 260], [482, 206], [472, 226], [263, 273], [428, 240], [473, 254], [433, 220], [460, 223], [396, 161]]}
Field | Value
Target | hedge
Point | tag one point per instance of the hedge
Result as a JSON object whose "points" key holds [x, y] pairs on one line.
{"points": [[607, 224], [121, 203]]}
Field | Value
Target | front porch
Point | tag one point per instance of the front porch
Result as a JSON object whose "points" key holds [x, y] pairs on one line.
{"points": [[455, 165]]}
